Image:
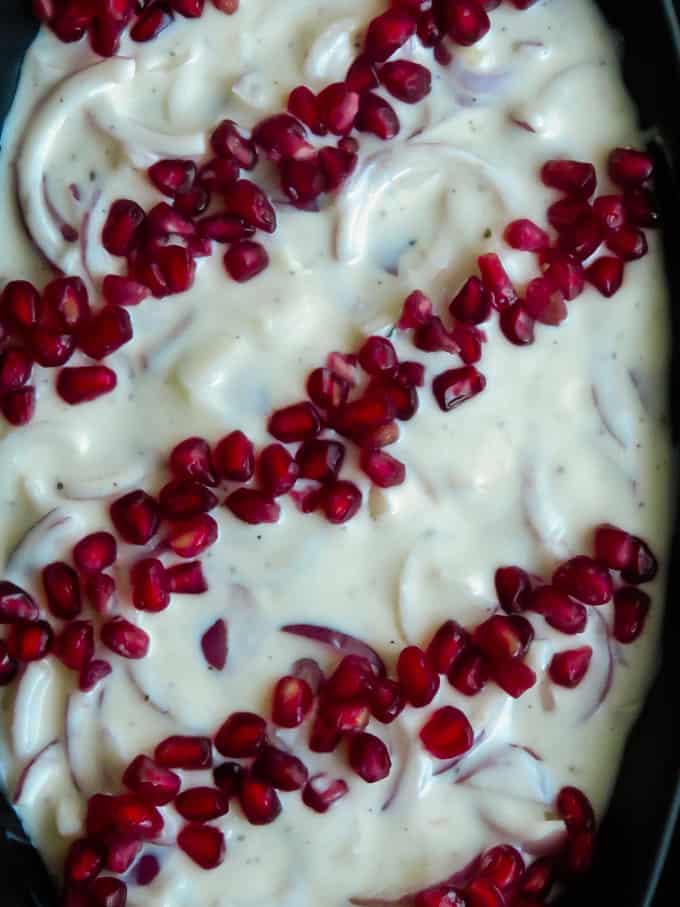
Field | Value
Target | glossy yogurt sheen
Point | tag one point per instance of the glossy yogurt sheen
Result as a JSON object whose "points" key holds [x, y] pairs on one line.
{"points": [[570, 432]]}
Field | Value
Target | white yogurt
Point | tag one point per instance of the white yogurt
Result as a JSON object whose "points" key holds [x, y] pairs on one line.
{"points": [[519, 475]]}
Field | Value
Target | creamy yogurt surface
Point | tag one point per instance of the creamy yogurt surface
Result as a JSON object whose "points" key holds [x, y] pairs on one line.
{"points": [[569, 433]]}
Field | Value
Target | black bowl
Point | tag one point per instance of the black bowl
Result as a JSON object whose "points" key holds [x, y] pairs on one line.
{"points": [[636, 835]]}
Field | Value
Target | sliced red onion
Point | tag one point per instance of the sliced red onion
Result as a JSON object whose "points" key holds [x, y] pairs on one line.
{"points": [[47, 761], [339, 641]]}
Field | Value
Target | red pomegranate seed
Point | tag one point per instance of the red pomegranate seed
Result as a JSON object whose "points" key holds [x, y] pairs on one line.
{"points": [[611, 211], [281, 136], [410, 374], [465, 21], [517, 324], [151, 23], [629, 168], [51, 350], [377, 438], [241, 735], [340, 501], [566, 275], [84, 860], [377, 116], [147, 869], [338, 107], [123, 291], [20, 305], [252, 506], [433, 337], [107, 892], [631, 607], [16, 604], [125, 814], [447, 733], [122, 228], [512, 588], [504, 866], [643, 567], [302, 104], [381, 468], [100, 589], [185, 498], [173, 177], [18, 407], [151, 782], [584, 579], [439, 896], [192, 459], [215, 645], [417, 311], [579, 855], [566, 211], [361, 75], [245, 260], [606, 275], [573, 177], [30, 641], [417, 677], [324, 736], [472, 304], [95, 552], [62, 589], [227, 777], [457, 385], [560, 611], [184, 752], [234, 457], [15, 369], [515, 677], [302, 180], [203, 844], [189, 538], [582, 238], [469, 673], [92, 673], [496, 280], [218, 174], [105, 36], [386, 700], [178, 268], [407, 81], [81, 385], [469, 340], [320, 460], [377, 355], [259, 801], [369, 757], [538, 878], [447, 644], [482, 892], [292, 701], [136, 517], [187, 578], [504, 636], [202, 804], [326, 389], [162, 220], [526, 236], [298, 422], [544, 303], [570, 667], [641, 210], [336, 165], [321, 792], [285, 771], [387, 33], [67, 302], [224, 228], [150, 586], [628, 243], [228, 142], [345, 717], [249, 202], [277, 470], [613, 547], [386, 390], [352, 679], [575, 810], [125, 638], [74, 647]]}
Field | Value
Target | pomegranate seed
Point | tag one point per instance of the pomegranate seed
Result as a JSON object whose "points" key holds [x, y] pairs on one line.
{"points": [[324, 736], [51, 350], [566, 275], [387, 33], [352, 679], [438, 896], [92, 673], [218, 174], [320, 460], [108, 892], [84, 861], [62, 588], [203, 844], [285, 771], [575, 810], [472, 304], [227, 778], [151, 23], [277, 470], [410, 374], [252, 506], [136, 517], [259, 801], [569, 668], [121, 852], [629, 168], [465, 21], [228, 142], [224, 228], [643, 567], [95, 552], [122, 228], [345, 717], [292, 701], [447, 733], [365, 414], [362, 75], [584, 579], [369, 757], [504, 637], [281, 136], [409, 82], [20, 305], [16, 604], [417, 311], [560, 611], [428, 30], [184, 752], [502, 865], [564, 213], [147, 869], [446, 646], [613, 547], [611, 211], [326, 389], [386, 700], [30, 641], [517, 324], [496, 280], [631, 607], [125, 814], [189, 538], [377, 438], [457, 385], [468, 339], [387, 390], [185, 498], [245, 260], [381, 468], [544, 303], [81, 385], [418, 679], [302, 104], [299, 422], [163, 220], [67, 302], [606, 275], [215, 645], [582, 238], [336, 165], [515, 677], [18, 407], [579, 855], [125, 638], [173, 177], [526, 236], [153, 783], [321, 792], [241, 735], [202, 804], [538, 878], [512, 588], [178, 268], [482, 892], [150, 586], [641, 210], [377, 116], [234, 457], [338, 106], [75, 645], [377, 355], [469, 673], [105, 36], [192, 459], [628, 243], [249, 202], [340, 501], [572, 177]]}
